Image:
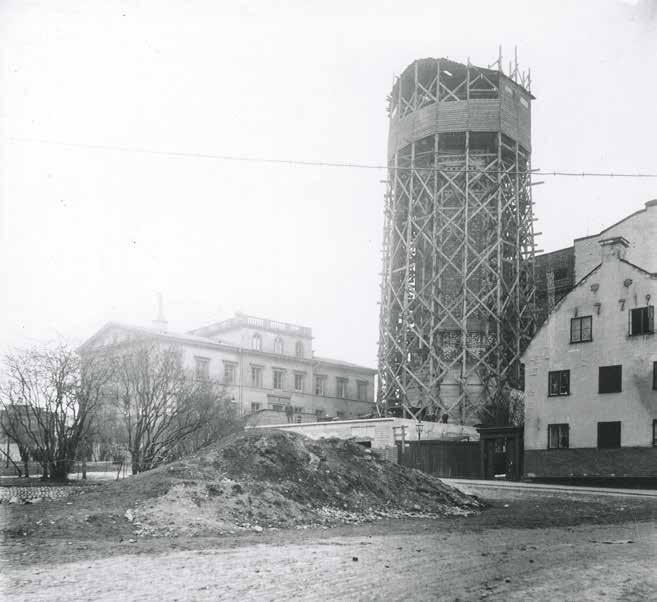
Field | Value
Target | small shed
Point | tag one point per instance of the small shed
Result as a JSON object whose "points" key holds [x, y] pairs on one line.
{"points": [[501, 452]]}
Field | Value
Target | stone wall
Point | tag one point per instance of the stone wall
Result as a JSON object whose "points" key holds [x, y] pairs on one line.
{"points": [[27, 494], [591, 462]]}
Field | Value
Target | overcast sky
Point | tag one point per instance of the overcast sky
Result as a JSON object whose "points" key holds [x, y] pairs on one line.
{"points": [[91, 233]]}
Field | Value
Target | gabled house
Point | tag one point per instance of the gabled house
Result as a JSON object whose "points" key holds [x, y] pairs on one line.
{"points": [[591, 376]]}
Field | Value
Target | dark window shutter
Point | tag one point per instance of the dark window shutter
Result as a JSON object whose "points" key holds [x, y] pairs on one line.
{"points": [[651, 318], [609, 435], [610, 379], [635, 327]]}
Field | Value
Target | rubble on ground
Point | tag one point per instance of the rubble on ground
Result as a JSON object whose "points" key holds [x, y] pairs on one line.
{"points": [[269, 479]]}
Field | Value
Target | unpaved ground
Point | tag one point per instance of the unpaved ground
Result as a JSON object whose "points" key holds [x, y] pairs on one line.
{"points": [[255, 480], [560, 553], [499, 564]]}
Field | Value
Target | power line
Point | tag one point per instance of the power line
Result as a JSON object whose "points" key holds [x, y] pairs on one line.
{"points": [[305, 163]]}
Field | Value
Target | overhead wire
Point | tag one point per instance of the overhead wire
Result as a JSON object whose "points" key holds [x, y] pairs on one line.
{"points": [[338, 164]]}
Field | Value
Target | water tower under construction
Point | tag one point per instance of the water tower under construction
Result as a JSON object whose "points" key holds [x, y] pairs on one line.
{"points": [[457, 291]]}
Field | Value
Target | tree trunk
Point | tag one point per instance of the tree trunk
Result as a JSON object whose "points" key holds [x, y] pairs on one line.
{"points": [[135, 463], [25, 457]]}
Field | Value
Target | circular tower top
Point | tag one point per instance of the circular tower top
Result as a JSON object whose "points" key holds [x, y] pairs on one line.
{"points": [[438, 95]]}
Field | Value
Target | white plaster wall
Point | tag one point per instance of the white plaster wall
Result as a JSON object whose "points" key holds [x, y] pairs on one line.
{"points": [[636, 405], [381, 431], [641, 232]]}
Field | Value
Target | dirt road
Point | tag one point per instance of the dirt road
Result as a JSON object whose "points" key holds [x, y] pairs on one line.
{"points": [[571, 547], [501, 564]]}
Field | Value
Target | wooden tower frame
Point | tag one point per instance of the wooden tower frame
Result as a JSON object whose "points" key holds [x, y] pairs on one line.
{"points": [[457, 286]]}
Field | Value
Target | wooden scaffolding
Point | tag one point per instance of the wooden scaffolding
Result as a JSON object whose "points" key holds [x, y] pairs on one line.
{"points": [[457, 287]]}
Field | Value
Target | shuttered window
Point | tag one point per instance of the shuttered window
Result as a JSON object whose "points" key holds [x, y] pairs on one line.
{"points": [[642, 320], [609, 435], [610, 379]]}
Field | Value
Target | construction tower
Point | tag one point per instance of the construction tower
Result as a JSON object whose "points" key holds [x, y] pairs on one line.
{"points": [[457, 287]]}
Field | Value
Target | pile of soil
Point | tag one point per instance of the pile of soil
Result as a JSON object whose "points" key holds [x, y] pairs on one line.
{"points": [[264, 479]]}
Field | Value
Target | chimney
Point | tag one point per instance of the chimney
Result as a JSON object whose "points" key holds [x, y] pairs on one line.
{"points": [[613, 248], [160, 324]]}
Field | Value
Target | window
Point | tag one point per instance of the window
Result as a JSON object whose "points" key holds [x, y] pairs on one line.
{"points": [[558, 436], [642, 320], [279, 378], [320, 413], [278, 345], [298, 409], [362, 390], [341, 388], [340, 414], [256, 376], [298, 382], [610, 379], [255, 406], [654, 433], [654, 376], [256, 342], [558, 383], [609, 435], [278, 407], [320, 385], [581, 329], [298, 349], [202, 368], [229, 373]]}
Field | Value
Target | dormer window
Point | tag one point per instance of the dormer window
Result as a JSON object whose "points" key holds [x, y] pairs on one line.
{"points": [[256, 342], [298, 349], [278, 346]]}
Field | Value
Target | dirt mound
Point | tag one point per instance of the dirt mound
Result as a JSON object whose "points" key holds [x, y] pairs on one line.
{"points": [[269, 479]]}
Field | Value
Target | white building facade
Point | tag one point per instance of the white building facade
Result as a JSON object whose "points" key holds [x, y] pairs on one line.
{"points": [[591, 375], [264, 365]]}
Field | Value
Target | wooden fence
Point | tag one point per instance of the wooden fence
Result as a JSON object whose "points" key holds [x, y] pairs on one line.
{"points": [[455, 459]]}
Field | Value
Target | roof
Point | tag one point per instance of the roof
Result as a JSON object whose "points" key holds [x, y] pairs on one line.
{"points": [[197, 340], [343, 364], [636, 267], [564, 250], [651, 203], [152, 332], [240, 320]]}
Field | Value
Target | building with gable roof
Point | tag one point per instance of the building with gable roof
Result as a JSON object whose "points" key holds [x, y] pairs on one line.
{"points": [[557, 271], [591, 371]]}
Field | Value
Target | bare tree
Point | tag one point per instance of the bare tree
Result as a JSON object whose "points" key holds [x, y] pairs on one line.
{"points": [[165, 410], [48, 399]]}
